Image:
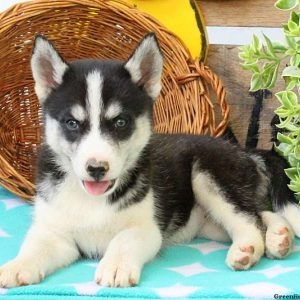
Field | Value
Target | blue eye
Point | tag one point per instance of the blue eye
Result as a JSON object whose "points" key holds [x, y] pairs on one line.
{"points": [[72, 124], [120, 122]]}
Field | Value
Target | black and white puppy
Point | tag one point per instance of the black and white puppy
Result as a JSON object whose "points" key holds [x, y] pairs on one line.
{"points": [[108, 186]]}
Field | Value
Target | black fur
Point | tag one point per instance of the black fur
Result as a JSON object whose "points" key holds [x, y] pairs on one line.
{"points": [[48, 167], [279, 191], [136, 179], [172, 160]]}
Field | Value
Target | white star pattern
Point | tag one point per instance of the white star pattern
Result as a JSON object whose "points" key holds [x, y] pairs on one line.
{"points": [[209, 247], [12, 203], [88, 288], [261, 290], [3, 233], [276, 270], [190, 270], [3, 291], [176, 291]]}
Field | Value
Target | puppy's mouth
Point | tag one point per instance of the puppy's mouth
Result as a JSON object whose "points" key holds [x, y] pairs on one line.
{"points": [[97, 188]]}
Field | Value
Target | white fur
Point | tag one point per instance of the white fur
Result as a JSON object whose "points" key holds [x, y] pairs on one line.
{"points": [[119, 156], [190, 230], [213, 231], [113, 110], [292, 213], [240, 227], [145, 66], [57, 143], [47, 68], [52, 239], [79, 113], [94, 83]]}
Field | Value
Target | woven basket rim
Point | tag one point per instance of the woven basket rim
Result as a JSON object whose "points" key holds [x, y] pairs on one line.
{"points": [[29, 6]]}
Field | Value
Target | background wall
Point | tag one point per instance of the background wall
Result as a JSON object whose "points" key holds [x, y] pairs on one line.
{"points": [[232, 23]]}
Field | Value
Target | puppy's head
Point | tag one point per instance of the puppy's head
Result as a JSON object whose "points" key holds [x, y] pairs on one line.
{"points": [[97, 113]]}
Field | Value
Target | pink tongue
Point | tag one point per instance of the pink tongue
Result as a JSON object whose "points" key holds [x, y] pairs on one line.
{"points": [[96, 188]]}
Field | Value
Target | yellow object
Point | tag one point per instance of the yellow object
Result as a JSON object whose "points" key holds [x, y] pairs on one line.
{"points": [[182, 17]]}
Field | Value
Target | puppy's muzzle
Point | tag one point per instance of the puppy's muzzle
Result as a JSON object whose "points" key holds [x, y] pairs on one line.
{"points": [[97, 169]]}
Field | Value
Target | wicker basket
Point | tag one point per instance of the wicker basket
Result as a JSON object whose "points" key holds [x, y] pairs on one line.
{"points": [[102, 29]]}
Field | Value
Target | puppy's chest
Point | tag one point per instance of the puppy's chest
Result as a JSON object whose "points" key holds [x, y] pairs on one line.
{"points": [[96, 229], [92, 223], [89, 223]]}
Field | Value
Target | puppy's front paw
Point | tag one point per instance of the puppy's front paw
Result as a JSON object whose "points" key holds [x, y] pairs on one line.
{"points": [[19, 272], [279, 241], [242, 257], [117, 273]]}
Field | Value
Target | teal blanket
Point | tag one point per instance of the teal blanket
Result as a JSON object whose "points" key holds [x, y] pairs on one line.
{"points": [[195, 270]]}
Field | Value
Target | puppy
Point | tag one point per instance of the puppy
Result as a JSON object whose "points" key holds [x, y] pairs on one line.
{"points": [[108, 187]]}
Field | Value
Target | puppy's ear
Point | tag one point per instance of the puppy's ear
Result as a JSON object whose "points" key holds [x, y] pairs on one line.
{"points": [[145, 65], [47, 66]]}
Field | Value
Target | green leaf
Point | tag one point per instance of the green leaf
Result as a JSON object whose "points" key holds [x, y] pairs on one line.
{"points": [[273, 77], [297, 152], [293, 99], [269, 45], [284, 139], [294, 17], [292, 160], [291, 84], [293, 27], [278, 47], [295, 184], [269, 75], [291, 52], [256, 44], [286, 4], [291, 71], [277, 150], [295, 60], [256, 82], [291, 41], [282, 112], [287, 98], [291, 172], [251, 66]]}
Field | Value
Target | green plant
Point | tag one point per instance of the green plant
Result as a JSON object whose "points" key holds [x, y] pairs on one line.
{"points": [[264, 60]]}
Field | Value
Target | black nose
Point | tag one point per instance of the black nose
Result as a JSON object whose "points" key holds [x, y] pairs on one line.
{"points": [[97, 169]]}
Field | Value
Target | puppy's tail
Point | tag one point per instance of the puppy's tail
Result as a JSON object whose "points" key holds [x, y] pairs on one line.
{"points": [[283, 199]]}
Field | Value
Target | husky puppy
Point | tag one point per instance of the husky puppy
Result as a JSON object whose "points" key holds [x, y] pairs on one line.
{"points": [[107, 186]]}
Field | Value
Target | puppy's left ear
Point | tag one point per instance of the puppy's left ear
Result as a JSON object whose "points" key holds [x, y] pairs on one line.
{"points": [[145, 65]]}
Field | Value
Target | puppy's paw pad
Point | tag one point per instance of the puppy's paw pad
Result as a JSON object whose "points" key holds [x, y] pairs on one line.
{"points": [[117, 274], [18, 273], [279, 242], [241, 257]]}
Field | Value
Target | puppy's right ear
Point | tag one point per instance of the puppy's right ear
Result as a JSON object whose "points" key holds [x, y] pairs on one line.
{"points": [[48, 67]]}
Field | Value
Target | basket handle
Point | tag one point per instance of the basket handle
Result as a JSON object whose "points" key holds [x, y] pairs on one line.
{"points": [[199, 70]]}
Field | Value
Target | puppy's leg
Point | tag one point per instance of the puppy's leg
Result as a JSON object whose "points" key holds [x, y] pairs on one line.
{"points": [[42, 252], [125, 256], [213, 231], [244, 229], [279, 235]]}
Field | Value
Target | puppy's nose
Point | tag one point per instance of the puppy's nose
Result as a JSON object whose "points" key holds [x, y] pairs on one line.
{"points": [[97, 169]]}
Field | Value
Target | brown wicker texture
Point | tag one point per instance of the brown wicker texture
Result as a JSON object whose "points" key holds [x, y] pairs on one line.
{"points": [[97, 29]]}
